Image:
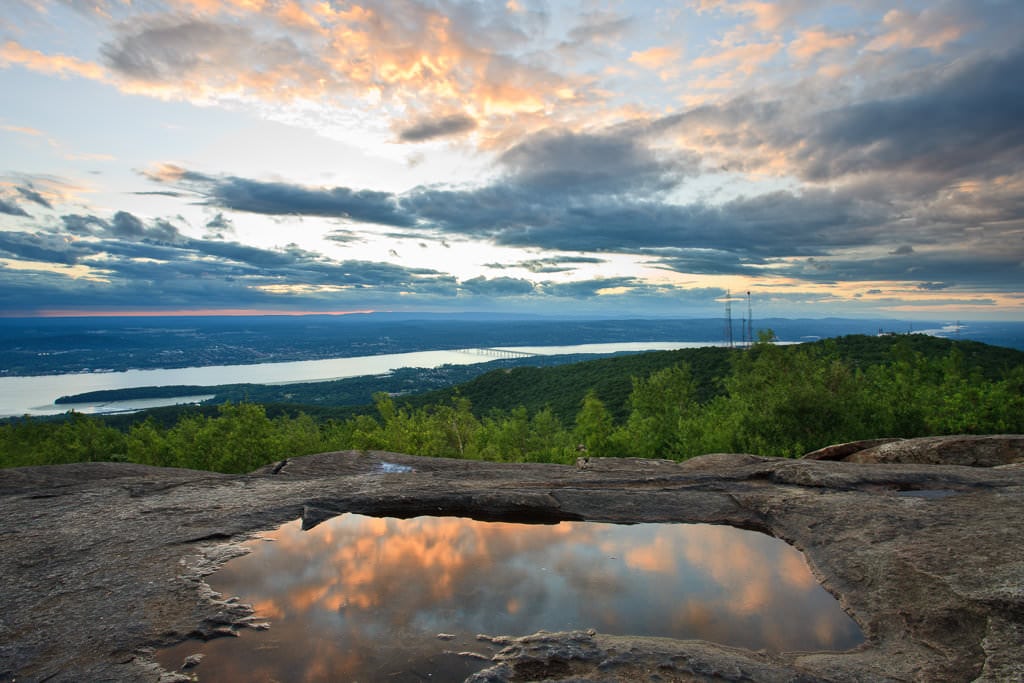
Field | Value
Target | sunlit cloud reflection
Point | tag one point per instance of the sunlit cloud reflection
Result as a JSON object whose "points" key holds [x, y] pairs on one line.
{"points": [[362, 598]]}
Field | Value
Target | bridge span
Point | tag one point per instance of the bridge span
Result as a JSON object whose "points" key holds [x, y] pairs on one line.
{"points": [[499, 353]]}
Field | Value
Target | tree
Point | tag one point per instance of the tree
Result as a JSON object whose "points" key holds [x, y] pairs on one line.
{"points": [[594, 426], [657, 404]]}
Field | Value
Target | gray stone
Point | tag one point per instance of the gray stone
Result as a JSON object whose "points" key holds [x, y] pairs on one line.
{"points": [[104, 562], [971, 451]]}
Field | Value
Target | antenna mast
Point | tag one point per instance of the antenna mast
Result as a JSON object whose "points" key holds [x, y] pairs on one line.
{"points": [[728, 318], [750, 321]]}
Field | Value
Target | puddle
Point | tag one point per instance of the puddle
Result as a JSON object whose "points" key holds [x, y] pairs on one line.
{"points": [[392, 468], [379, 599]]}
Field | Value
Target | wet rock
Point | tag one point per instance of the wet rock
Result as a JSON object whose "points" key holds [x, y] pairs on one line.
{"points": [[192, 661], [105, 562]]}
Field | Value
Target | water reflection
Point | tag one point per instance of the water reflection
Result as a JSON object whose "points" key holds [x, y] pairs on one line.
{"points": [[363, 598]]}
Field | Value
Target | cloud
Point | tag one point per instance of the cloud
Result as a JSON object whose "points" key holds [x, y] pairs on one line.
{"points": [[169, 49], [891, 173], [497, 287], [220, 222], [554, 264], [611, 163], [812, 42], [83, 224], [939, 268], [774, 224], [712, 262], [33, 196], [588, 289], [598, 28], [905, 146], [59, 65], [11, 209], [971, 122], [656, 57], [122, 225], [40, 246], [765, 16], [126, 226], [282, 199], [746, 58], [408, 56], [445, 126], [904, 30], [342, 236], [160, 193]]}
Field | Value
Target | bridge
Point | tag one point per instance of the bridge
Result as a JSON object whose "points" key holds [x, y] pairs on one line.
{"points": [[499, 353]]}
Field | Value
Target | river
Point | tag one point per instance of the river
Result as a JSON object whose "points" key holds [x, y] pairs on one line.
{"points": [[35, 395]]}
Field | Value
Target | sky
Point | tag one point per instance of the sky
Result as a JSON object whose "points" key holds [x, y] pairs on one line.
{"points": [[854, 159]]}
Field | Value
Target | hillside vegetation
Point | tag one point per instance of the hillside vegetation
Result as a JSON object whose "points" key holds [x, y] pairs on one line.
{"points": [[770, 400]]}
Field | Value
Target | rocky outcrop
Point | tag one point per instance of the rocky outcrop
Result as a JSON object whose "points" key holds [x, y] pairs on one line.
{"points": [[104, 562], [970, 451], [841, 451], [1000, 450]]}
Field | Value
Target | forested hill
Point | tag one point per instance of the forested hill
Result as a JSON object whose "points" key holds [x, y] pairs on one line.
{"points": [[562, 388], [769, 399]]}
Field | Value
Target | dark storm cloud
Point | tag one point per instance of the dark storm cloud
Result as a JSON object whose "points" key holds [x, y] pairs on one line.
{"points": [[33, 196], [12, 209], [437, 128]]}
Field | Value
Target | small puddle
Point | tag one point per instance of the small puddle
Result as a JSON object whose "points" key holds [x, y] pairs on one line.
{"points": [[379, 599]]}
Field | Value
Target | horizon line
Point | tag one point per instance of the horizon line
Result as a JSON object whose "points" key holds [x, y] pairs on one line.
{"points": [[181, 313]]}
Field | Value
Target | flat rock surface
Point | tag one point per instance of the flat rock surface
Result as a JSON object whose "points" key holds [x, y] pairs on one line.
{"points": [[104, 562]]}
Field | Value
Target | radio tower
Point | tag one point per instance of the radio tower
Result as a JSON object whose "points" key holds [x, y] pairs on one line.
{"points": [[728, 318], [750, 322]]}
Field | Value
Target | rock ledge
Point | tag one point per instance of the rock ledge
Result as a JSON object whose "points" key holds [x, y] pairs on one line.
{"points": [[918, 539]]}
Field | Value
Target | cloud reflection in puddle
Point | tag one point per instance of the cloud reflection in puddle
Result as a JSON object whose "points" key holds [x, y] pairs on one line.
{"points": [[363, 598]]}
